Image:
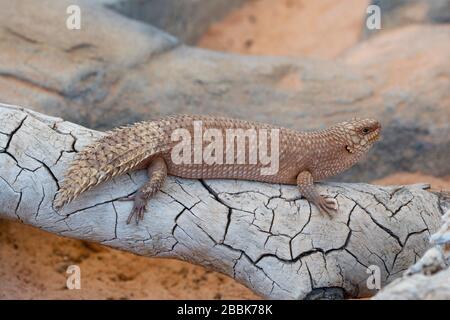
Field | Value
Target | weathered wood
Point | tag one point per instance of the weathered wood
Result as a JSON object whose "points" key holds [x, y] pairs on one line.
{"points": [[429, 278], [247, 230]]}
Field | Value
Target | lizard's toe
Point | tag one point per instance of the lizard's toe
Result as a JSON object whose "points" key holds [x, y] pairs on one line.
{"points": [[140, 215], [331, 203], [327, 205], [138, 210]]}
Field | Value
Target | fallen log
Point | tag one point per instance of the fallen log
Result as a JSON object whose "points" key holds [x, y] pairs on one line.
{"points": [[250, 231], [429, 278]]}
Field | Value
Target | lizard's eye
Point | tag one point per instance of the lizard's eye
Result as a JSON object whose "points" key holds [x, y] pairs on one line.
{"points": [[365, 130]]}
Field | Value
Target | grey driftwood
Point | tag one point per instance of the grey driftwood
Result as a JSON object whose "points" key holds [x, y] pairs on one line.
{"points": [[247, 230], [429, 278]]}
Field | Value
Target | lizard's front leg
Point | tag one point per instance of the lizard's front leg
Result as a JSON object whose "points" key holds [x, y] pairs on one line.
{"points": [[157, 173], [305, 183]]}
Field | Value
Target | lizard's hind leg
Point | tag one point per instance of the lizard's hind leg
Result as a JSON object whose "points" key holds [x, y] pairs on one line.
{"points": [[157, 173]]}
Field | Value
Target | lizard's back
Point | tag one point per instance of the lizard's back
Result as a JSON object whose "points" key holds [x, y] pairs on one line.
{"points": [[215, 144], [133, 147]]}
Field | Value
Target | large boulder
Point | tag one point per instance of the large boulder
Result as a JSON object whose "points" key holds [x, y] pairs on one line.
{"points": [[116, 70], [187, 20], [410, 69]]}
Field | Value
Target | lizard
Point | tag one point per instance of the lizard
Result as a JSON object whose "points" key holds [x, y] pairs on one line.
{"points": [[304, 157]]}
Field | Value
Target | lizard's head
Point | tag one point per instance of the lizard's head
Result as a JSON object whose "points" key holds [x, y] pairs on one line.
{"points": [[359, 135]]}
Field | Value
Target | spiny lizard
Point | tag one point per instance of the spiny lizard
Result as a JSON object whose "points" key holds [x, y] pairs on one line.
{"points": [[303, 157]]}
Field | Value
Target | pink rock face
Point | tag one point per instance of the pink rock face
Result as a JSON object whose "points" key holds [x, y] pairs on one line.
{"points": [[289, 28]]}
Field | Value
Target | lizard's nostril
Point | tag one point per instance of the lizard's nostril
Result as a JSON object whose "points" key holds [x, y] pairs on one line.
{"points": [[378, 126]]}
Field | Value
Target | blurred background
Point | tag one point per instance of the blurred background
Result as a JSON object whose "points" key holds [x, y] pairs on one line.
{"points": [[302, 64]]}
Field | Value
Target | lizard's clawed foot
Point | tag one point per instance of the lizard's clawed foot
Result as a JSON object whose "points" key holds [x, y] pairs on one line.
{"points": [[327, 205], [139, 206]]}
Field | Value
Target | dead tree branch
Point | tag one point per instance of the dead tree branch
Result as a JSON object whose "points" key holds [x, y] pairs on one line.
{"points": [[250, 231]]}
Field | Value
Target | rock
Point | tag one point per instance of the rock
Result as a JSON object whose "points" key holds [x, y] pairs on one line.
{"points": [[411, 69], [73, 73], [187, 20], [116, 71], [313, 29], [439, 11], [396, 13]]}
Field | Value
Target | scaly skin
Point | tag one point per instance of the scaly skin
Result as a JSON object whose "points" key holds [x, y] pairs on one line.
{"points": [[304, 157]]}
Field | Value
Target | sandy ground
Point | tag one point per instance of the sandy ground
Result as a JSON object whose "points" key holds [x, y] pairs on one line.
{"points": [[33, 265], [320, 29]]}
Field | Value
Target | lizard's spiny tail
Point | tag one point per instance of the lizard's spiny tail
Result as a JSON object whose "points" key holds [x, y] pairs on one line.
{"points": [[120, 151]]}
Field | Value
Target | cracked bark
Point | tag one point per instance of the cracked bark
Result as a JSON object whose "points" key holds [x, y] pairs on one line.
{"points": [[247, 230], [428, 278]]}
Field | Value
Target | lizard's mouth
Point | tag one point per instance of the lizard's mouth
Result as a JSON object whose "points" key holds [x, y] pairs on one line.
{"points": [[371, 139], [375, 136]]}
